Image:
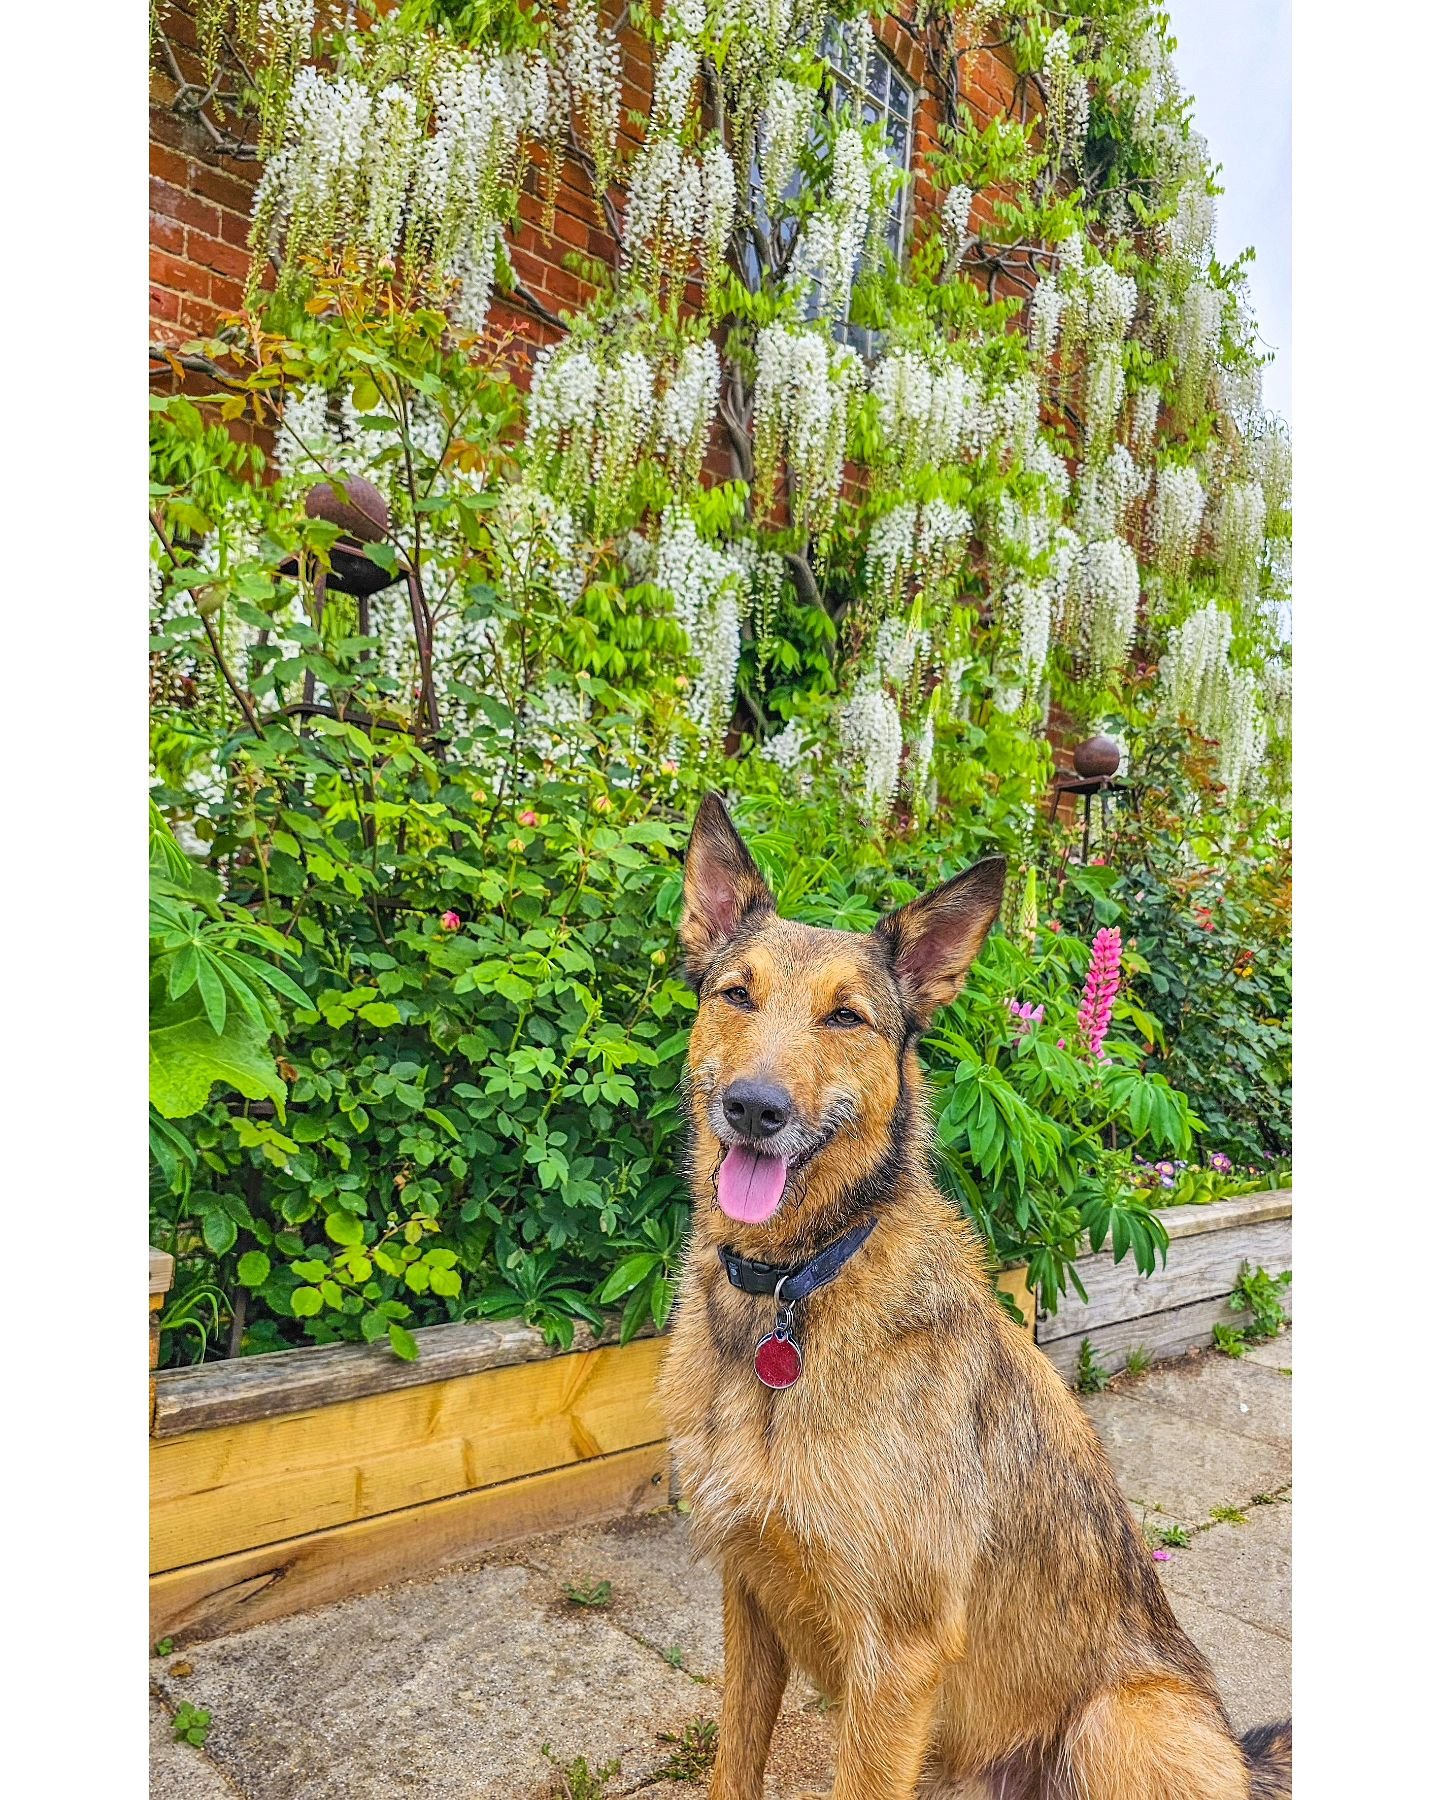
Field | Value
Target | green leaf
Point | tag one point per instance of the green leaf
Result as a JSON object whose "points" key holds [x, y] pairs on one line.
{"points": [[254, 1268], [188, 1058], [662, 1298], [631, 1271], [219, 1231], [634, 1315], [212, 993], [403, 1343], [344, 1228], [306, 1302]]}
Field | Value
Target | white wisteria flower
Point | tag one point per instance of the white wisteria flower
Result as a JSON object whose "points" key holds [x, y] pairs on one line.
{"points": [[785, 126], [872, 742], [687, 410], [1177, 512], [803, 388], [704, 583], [1109, 584], [1239, 532]]}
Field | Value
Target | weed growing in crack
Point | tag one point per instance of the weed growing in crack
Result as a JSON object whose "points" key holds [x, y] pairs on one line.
{"points": [[1090, 1377], [694, 1751], [191, 1723], [595, 1593], [578, 1781]]}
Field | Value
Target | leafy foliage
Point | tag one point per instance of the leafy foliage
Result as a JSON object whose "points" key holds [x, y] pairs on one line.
{"points": [[416, 1037]]}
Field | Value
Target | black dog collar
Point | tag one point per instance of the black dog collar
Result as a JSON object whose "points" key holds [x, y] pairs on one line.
{"points": [[800, 1281]]}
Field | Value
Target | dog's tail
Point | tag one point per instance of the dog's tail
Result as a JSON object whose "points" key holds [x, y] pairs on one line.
{"points": [[1267, 1751]]}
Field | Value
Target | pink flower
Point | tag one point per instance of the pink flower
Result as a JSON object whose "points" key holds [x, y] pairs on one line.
{"points": [[529, 818], [449, 921], [1060, 1043], [1030, 1016], [1102, 984], [1160, 1555]]}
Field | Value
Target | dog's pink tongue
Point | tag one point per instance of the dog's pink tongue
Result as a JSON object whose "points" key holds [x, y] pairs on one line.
{"points": [[749, 1185]]}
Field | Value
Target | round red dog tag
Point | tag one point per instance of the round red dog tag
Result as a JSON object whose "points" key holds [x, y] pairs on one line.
{"points": [[778, 1361]]}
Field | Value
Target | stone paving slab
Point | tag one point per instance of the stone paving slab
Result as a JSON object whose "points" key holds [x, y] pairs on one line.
{"points": [[1252, 1667], [1243, 1570], [445, 1688], [182, 1771], [1274, 1355], [662, 1593], [1179, 1465], [1236, 1394]]}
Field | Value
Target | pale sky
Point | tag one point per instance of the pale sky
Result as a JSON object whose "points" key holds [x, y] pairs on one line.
{"points": [[1234, 57]]}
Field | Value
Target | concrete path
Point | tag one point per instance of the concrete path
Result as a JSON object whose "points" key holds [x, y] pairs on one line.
{"points": [[495, 1681]]}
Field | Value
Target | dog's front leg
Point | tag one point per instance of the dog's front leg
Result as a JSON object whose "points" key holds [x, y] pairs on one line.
{"points": [[885, 1730], [755, 1672]]}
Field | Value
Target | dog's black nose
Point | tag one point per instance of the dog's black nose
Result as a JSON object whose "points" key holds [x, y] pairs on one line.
{"points": [[756, 1109]]}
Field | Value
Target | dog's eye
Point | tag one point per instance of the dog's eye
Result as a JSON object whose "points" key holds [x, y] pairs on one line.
{"points": [[739, 995], [845, 1017]]}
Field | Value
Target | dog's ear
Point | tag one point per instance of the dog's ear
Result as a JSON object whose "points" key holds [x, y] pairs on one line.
{"points": [[933, 941], [722, 888]]}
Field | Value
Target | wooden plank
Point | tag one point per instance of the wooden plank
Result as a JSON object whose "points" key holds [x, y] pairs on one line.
{"points": [[162, 1272], [232, 1592], [1197, 1268], [291, 1381], [241, 1486], [1162, 1334], [1220, 1215]]}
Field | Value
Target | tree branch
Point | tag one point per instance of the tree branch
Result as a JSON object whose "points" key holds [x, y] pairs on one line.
{"points": [[197, 365], [804, 577]]}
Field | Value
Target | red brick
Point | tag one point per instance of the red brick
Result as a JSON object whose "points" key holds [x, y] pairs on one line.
{"points": [[230, 190], [164, 304], [197, 215], [225, 295], [235, 228], [169, 165], [210, 253], [171, 272], [165, 234]]}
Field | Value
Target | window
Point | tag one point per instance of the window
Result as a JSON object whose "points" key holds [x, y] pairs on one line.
{"points": [[884, 97]]}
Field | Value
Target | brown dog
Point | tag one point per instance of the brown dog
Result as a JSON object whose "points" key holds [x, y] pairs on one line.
{"points": [[923, 1520]]}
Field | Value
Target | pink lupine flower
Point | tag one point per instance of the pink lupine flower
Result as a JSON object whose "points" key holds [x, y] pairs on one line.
{"points": [[1102, 984], [529, 818], [1030, 1017], [449, 921]]}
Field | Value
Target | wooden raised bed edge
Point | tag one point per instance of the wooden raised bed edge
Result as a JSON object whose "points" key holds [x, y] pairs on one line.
{"points": [[283, 1482], [288, 1381], [1173, 1310]]}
